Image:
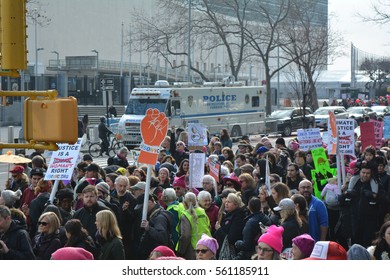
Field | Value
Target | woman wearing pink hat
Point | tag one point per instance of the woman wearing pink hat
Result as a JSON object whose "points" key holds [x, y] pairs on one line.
{"points": [[270, 244], [206, 248]]}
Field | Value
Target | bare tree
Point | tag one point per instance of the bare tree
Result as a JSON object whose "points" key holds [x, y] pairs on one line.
{"points": [[211, 28], [264, 36], [377, 69], [36, 12], [310, 43], [381, 12]]}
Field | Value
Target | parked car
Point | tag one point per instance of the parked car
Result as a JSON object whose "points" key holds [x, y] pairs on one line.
{"points": [[321, 115], [381, 110], [288, 120], [358, 113]]}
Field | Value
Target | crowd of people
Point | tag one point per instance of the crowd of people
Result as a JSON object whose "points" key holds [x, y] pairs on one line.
{"points": [[98, 213]]}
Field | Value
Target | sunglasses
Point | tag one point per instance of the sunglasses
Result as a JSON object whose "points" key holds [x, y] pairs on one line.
{"points": [[229, 184], [272, 181], [264, 250], [203, 251], [42, 224], [177, 189]]}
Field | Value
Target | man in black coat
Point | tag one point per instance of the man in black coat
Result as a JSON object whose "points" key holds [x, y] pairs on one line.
{"points": [[87, 214], [15, 243]]}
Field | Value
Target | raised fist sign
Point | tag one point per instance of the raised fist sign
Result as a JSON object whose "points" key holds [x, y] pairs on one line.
{"points": [[154, 128]]}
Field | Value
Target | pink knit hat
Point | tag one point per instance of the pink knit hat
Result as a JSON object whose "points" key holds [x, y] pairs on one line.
{"points": [[179, 182], [165, 251], [305, 243], [273, 238], [209, 242], [71, 253]]}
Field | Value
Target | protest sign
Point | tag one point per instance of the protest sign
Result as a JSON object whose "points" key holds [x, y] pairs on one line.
{"points": [[197, 162], [154, 127], [63, 161], [215, 168], [387, 127], [345, 129], [197, 135], [378, 131], [333, 134], [309, 138], [62, 164], [367, 134], [321, 171]]}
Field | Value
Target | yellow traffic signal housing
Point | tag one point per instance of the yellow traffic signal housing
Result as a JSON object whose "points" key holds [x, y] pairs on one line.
{"points": [[13, 34], [51, 120]]}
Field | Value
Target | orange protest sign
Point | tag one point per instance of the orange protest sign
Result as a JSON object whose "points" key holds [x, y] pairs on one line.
{"points": [[154, 128]]}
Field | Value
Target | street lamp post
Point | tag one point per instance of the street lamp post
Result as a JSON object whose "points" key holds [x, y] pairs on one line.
{"points": [[58, 68], [250, 75], [36, 67], [143, 78], [97, 67]]}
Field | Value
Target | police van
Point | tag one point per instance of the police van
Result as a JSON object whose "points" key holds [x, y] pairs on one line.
{"points": [[239, 109]]}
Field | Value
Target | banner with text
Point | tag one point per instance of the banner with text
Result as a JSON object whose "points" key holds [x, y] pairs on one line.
{"points": [[345, 128], [309, 138], [63, 161], [215, 167]]}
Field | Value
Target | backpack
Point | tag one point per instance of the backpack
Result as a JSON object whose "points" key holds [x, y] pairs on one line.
{"points": [[331, 198]]}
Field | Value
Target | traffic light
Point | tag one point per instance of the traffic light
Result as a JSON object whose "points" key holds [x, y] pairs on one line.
{"points": [[13, 34], [51, 120]]}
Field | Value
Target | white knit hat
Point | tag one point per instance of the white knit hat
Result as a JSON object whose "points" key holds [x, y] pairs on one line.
{"points": [[10, 197]]}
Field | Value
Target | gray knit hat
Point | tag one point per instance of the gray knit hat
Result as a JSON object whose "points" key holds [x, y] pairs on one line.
{"points": [[10, 197]]}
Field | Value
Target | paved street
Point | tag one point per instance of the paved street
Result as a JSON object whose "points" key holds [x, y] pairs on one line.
{"points": [[102, 161]]}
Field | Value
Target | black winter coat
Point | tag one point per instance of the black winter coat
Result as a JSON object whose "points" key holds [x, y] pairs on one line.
{"points": [[250, 234], [87, 217], [231, 226], [291, 230], [19, 243], [46, 244]]}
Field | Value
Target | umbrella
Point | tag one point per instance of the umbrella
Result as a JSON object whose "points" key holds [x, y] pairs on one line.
{"points": [[10, 158]]}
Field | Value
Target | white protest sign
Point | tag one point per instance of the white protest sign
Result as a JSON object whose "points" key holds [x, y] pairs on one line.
{"points": [[197, 135], [197, 162], [63, 161], [345, 128], [309, 138]]}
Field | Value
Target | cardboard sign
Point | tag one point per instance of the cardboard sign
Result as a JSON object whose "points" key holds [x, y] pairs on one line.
{"points": [[63, 161], [367, 134], [197, 135], [309, 138], [197, 162]]}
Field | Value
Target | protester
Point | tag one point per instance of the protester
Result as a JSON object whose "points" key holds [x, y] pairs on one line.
{"points": [[206, 248], [15, 243]]}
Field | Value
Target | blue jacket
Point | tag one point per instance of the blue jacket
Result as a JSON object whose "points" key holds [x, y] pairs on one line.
{"points": [[318, 216]]}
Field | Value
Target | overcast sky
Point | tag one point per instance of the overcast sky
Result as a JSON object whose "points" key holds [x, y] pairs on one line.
{"points": [[368, 37]]}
